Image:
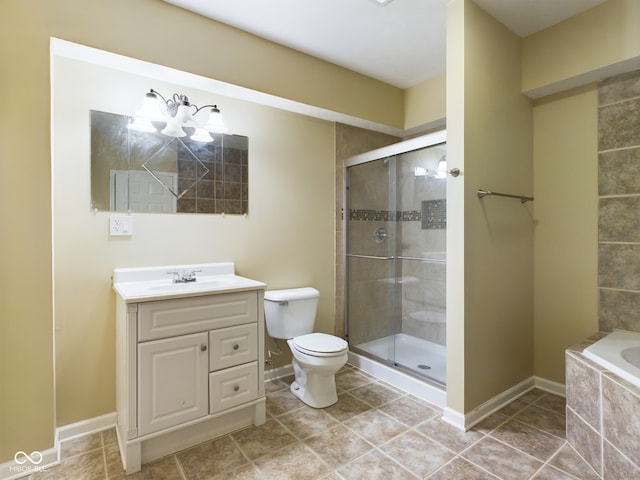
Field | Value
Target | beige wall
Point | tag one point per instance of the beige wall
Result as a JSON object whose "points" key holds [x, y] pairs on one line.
{"points": [[600, 42], [494, 121], [566, 226], [425, 104]]}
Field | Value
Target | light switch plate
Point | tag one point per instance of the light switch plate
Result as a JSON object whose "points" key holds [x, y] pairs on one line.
{"points": [[120, 225]]}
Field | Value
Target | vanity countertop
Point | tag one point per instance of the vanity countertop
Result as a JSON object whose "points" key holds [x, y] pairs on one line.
{"points": [[146, 284]]}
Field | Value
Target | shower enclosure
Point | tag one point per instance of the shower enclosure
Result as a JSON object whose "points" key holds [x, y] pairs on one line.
{"points": [[396, 256]]}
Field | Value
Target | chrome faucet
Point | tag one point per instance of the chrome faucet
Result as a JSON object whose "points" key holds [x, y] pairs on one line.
{"points": [[184, 277]]}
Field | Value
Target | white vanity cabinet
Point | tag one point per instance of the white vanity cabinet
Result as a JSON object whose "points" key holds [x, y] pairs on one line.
{"points": [[188, 369]]}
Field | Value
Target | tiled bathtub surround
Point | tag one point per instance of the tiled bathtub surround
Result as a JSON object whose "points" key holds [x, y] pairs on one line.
{"points": [[374, 432], [619, 200], [602, 416]]}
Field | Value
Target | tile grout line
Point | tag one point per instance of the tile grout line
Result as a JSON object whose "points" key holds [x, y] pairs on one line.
{"points": [[181, 471], [104, 462], [556, 467], [246, 457], [304, 445]]}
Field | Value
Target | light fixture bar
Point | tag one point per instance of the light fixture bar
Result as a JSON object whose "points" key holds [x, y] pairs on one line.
{"points": [[177, 112]]}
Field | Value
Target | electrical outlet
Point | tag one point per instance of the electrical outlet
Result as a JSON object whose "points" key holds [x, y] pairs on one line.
{"points": [[120, 225]]}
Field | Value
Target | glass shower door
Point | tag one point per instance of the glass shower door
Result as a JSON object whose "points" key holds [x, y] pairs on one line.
{"points": [[396, 260], [372, 295]]}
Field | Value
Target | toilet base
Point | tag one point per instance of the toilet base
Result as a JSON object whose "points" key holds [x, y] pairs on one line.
{"points": [[325, 400], [315, 388]]}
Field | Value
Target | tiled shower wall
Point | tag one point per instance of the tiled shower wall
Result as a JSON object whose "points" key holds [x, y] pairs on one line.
{"points": [[619, 202]]}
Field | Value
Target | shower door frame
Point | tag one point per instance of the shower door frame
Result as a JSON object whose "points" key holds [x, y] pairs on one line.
{"points": [[417, 143]]}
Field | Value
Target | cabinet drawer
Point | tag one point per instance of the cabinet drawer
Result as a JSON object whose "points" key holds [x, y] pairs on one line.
{"points": [[169, 318], [233, 386], [233, 346]]}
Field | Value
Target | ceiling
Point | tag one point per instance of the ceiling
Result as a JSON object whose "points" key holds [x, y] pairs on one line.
{"points": [[401, 42]]}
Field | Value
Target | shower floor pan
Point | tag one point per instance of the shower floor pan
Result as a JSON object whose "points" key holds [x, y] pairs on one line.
{"points": [[421, 356]]}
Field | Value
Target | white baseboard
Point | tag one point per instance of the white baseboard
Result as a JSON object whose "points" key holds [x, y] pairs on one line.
{"points": [[475, 416], [455, 418], [550, 386], [85, 427]]}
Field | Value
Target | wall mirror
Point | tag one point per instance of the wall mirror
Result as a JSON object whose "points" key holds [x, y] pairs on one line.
{"points": [[135, 171]]}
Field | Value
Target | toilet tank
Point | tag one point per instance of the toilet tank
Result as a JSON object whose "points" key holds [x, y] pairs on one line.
{"points": [[290, 313]]}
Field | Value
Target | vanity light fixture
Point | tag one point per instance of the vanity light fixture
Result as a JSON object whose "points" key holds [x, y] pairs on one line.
{"points": [[177, 112]]}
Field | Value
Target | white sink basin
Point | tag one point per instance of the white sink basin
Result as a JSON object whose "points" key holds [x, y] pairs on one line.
{"points": [[155, 283]]}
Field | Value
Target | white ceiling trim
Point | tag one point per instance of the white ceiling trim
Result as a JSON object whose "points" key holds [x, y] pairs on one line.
{"points": [[64, 48]]}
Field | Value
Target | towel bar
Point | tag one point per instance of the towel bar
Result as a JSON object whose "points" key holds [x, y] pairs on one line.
{"points": [[523, 199]]}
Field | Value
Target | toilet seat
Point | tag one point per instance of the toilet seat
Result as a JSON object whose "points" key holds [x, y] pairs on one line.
{"points": [[320, 345]]}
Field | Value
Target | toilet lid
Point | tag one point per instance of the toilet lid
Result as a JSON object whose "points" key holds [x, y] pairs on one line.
{"points": [[320, 344]]}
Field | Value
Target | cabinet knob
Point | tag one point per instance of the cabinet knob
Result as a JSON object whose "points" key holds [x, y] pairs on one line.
{"points": [[203, 348], [236, 346], [236, 388]]}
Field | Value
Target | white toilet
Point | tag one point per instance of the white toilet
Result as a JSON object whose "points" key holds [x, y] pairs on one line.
{"points": [[290, 314]]}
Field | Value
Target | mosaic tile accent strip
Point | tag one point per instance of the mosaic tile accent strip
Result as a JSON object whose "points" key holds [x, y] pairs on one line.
{"points": [[411, 216], [434, 214], [374, 215]]}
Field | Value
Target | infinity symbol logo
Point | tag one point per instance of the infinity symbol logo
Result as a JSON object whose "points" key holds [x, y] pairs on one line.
{"points": [[22, 457]]}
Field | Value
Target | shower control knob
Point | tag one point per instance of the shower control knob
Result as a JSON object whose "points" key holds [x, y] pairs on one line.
{"points": [[380, 235]]}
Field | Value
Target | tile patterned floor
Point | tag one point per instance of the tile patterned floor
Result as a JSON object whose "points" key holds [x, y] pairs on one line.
{"points": [[374, 432]]}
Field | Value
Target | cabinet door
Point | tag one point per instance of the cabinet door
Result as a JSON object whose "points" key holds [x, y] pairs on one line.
{"points": [[172, 381]]}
